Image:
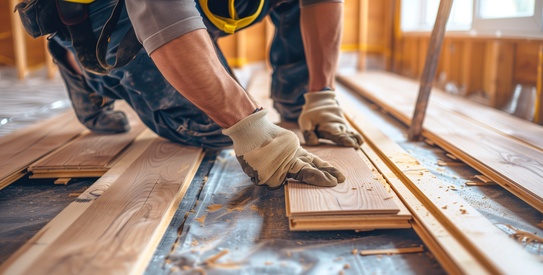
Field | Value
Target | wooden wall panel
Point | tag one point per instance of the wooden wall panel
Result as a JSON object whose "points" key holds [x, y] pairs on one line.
{"points": [[499, 61], [526, 63], [350, 37], [256, 43]]}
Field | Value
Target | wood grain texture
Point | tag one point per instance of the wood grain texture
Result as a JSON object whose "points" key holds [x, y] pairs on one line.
{"points": [[118, 232], [476, 245], [497, 150], [91, 152], [334, 218], [25, 146], [361, 193], [32, 249]]}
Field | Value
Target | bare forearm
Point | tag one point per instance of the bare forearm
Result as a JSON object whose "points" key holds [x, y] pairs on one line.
{"points": [[190, 64], [321, 32]]}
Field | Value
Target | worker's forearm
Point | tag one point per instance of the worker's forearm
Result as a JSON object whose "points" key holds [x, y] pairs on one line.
{"points": [[190, 64], [321, 26]]}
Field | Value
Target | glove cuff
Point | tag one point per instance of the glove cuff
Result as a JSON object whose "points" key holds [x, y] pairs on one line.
{"points": [[317, 97], [251, 132]]}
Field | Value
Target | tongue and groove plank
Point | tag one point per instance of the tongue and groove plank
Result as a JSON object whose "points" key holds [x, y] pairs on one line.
{"points": [[50, 232], [90, 154], [27, 145], [361, 203], [503, 155], [119, 231], [465, 240], [361, 193]]}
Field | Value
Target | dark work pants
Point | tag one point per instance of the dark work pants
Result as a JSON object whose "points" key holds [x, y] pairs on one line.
{"points": [[166, 111]]}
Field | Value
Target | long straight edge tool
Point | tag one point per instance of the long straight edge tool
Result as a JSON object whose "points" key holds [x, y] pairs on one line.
{"points": [[430, 66]]}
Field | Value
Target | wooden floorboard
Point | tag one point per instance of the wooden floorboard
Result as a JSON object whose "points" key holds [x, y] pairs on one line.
{"points": [[467, 240], [361, 193], [119, 231], [346, 206], [50, 232], [89, 154], [22, 147], [511, 161]]}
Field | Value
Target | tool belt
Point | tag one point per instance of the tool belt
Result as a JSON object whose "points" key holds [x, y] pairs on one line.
{"points": [[71, 20]]}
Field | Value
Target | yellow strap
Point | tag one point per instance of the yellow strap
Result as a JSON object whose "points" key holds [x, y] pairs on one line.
{"points": [[230, 25], [80, 1]]}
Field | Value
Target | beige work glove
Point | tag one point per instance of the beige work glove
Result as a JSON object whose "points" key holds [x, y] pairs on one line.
{"points": [[321, 117], [270, 154]]}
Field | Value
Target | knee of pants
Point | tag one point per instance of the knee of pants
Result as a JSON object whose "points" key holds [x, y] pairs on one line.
{"points": [[191, 131]]}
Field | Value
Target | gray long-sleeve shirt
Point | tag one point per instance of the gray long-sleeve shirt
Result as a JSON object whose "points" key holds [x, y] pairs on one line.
{"points": [[157, 22]]}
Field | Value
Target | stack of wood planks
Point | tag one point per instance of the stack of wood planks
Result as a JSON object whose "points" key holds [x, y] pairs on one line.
{"points": [[460, 238], [363, 202], [506, 149], [116, 224], [27, 145], [90, 154]]}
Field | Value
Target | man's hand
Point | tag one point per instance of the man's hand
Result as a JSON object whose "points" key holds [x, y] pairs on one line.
{"points": [[270, 154], [322, 117]]}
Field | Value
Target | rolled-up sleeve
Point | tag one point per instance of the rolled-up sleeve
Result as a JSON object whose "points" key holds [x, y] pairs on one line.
{"points": [[157, 22]]}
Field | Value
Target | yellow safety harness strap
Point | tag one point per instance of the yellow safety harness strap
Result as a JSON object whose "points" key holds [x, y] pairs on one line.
{"points": [[229, 25]]}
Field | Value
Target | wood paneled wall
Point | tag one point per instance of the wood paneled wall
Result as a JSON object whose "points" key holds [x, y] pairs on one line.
{"points": [[374, 42], [491, 67]]}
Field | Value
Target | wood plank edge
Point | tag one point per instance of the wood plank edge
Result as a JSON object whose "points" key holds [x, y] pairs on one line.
{"points": [[33, 248], [149, 250], [491, 262], [448, 251], [5, 182]]}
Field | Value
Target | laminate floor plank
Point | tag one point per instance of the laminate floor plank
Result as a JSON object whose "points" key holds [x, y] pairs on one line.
{"points": [[118, 232], [91, 152], [513, 164], [450, 219], [361, 193], [346, 206], [32, 249], [22, 147]]}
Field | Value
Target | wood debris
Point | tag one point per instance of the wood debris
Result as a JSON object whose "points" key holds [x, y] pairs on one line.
{"points": [[429, 142], [62, 181], [483, 179], [451, 156], [449, 163], [392, 251]]}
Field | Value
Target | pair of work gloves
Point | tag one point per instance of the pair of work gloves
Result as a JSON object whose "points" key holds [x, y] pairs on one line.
{"points": [[270, 154]]}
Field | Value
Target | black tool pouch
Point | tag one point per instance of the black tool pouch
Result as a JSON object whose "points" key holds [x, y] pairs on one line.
{"points": [[40, 17]]}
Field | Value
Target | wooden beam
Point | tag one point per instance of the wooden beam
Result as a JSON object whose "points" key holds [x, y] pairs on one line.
{"points": [[19, 44], [428, 75]]}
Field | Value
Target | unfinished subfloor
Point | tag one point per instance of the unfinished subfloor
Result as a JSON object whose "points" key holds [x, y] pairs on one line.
{"points": [[226, 225]]}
